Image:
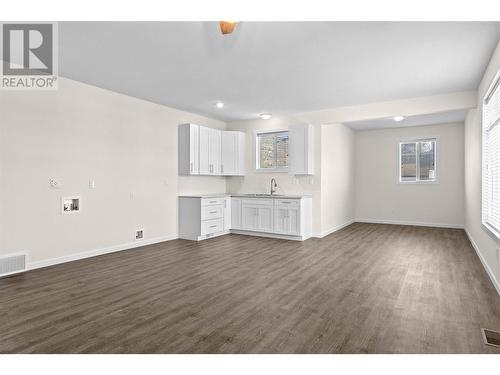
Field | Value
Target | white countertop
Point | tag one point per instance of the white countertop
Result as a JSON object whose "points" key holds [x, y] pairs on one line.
{"points": [[247, 195]]}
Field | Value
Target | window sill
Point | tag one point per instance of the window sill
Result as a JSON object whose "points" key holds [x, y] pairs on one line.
{"points": [[491, 231], [435, 182], [271, 170]]}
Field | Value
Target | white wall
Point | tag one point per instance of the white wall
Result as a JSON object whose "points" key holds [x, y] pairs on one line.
{"points": [[337, 177], [488, 246], [379, 196], [331, 186], [260, 182], [78, 133]]}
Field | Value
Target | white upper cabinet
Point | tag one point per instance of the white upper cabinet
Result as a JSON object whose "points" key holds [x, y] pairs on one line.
{"points": [[204, 150], [301, 150], [212, 152], [232, 153], [189, 144]]}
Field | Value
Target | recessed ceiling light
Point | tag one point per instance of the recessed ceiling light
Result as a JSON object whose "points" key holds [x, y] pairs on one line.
{"points": [[398, 118], [219, 105], [265, 116]]}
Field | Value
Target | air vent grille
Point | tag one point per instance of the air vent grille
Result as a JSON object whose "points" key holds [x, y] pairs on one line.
{"points": [[12, 264], [491, 338]]}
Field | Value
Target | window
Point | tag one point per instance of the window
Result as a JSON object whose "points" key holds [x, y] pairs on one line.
{"points": [[272, 151], [418, 161], [491, 158]]}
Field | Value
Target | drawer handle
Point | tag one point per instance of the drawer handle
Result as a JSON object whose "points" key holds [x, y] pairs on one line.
{"points": [[212, 212], [285, 202], [213, 226], [212, 202]]}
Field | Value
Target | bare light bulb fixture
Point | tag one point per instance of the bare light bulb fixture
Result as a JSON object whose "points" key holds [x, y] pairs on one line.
{"points": [[227, 27], [265, 116], [219, 105], [398, 118]]}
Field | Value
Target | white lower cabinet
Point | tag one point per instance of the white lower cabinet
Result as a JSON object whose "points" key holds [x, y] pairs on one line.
{"points": [[227, 213], [257, 214], [235, 213], [205, 217], [287, 217]]}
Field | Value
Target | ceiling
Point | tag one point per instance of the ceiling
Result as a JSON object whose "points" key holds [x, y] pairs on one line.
{"points": [[277, 67], [427, 119]]}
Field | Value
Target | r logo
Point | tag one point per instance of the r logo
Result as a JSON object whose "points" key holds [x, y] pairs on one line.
{"points": [[27, 49]]}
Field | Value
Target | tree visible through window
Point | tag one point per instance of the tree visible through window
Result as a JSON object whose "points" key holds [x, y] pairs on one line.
{"points": [[418, 160], [272, 150]]}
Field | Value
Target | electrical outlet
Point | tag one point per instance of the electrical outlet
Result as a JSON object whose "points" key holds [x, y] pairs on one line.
{"points": [[139, 234], [91, 184], [54, 183]]}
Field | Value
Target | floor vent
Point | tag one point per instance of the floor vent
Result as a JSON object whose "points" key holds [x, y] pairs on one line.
{"points": [[11, 264], [491, 338]]}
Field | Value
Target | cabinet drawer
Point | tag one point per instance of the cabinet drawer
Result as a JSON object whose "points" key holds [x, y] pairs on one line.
{"points": [[257, 202], [212, 226], [212, 212], [287, 202], [212, 201]]}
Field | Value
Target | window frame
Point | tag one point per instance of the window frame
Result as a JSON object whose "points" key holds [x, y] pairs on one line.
{"points": [[436, 159], [258, 169], [494, 85]]}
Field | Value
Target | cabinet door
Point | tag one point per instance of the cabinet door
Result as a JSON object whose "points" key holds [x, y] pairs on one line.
{"points": [[235, 213], [227, 213], [204, 153], [300, 161], [293, 221], [214, 151], [249, 217], [279, 219], [265, 219], [188, 149], [194, 149], [229, 153], [287, 217]]}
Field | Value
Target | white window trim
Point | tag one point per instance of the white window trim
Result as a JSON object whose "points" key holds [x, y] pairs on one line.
{"points": [[436, 158], [256, 152], [491, 230]]}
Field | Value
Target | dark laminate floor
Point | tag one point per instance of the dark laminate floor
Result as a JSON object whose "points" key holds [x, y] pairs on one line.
{"points": [[366, 289]]}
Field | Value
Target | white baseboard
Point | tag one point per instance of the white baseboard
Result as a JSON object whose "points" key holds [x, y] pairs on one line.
{"points": [[416, 223], [490, 273], [195, 237], [269, 235], [334, 229], [101, 251]]}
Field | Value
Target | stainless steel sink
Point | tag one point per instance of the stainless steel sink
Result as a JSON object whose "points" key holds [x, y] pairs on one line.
{"points": [[263, 195]]}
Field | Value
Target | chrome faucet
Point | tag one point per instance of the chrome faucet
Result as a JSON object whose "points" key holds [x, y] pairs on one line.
{"points": [[274, 185]]}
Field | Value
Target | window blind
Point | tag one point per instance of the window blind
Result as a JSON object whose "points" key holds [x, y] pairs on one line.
{"points": [[491, 158]]}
